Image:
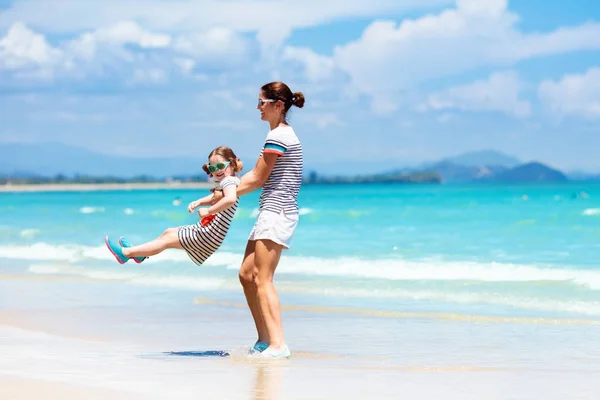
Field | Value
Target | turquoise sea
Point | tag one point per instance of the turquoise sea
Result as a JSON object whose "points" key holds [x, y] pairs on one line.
{"points": [[526, 250]]}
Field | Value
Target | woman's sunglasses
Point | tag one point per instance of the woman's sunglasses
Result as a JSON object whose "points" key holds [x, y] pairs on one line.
{"points": [[262, 102], [218, 166]]}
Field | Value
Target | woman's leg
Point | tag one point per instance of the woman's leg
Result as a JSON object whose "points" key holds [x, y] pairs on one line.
{"points": [[168, 240], [266, 257], [246, 275]]}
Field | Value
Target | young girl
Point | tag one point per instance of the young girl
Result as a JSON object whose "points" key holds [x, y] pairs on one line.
{"points": [[200, 240]]}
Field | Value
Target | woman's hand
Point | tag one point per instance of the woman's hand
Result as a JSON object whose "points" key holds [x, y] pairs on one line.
{"points": [[203, 212], [217, 195], [192, 206]]}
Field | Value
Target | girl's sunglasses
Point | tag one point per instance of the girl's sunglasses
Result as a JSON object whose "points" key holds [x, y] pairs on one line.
{"points": [[218, 166]]}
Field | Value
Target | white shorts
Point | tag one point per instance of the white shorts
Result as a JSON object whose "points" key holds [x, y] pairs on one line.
{"points": [[277, 227]]}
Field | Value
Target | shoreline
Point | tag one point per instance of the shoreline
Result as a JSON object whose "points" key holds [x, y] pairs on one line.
{"points": [[93, 187]]}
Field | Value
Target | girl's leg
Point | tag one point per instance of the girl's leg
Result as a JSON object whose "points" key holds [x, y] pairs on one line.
{"points": [[266, 257], [246, 275], [168, 240]]}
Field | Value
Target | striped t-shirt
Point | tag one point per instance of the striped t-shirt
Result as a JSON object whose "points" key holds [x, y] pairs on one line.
{"points": [[280, 192], [200, 242]]}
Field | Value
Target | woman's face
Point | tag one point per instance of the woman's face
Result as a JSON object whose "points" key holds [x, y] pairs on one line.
{"points": [[270, 110]]}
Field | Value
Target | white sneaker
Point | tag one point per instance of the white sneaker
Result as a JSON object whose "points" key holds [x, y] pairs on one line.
{"points": [[271, 352]]}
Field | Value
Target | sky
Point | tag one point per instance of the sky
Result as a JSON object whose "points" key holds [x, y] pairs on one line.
{"points": [[388, 83]]}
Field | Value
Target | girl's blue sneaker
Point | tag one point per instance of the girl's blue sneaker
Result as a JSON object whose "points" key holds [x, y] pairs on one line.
{"points": [[116, 250], [125, 243]]}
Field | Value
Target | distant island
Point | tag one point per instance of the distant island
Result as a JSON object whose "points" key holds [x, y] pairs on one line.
{"points": [[530, 172], [55, 164], [399, 178], [60, 179]]}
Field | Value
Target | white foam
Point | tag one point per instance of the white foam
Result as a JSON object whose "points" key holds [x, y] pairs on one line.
{"points": [[142, 278], [90, 210], [29, 233], [74, 253], [435, 270], [518, 301], [396, 269], [591, 211]]}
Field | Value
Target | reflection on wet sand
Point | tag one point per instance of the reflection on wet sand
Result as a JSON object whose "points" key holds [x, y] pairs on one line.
{"points": [[267, 384]]}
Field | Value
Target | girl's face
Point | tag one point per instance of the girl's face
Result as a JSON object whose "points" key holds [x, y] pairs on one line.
{"points": [[219, 167]]}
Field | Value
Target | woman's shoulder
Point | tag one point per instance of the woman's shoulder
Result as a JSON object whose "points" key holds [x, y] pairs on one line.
{"points": [[283, 134]]}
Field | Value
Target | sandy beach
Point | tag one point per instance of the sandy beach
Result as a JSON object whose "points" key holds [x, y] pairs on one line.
{"points": [[24, 389], [65, 338], [91, 187]]}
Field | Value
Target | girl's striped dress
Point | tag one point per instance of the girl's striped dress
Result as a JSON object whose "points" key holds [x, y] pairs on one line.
{"points": [[200, 242]]}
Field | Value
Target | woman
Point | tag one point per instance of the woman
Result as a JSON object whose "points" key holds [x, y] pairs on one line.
{"points": [[278, 171]]}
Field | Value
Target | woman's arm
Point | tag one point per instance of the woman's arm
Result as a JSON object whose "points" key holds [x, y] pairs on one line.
{"points": [[254, 179]]}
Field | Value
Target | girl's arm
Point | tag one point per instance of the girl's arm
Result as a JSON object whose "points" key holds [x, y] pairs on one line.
{"points": [[205, 201], [229, 199]]}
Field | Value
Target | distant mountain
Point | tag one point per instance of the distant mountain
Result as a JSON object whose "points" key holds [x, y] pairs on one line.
{"points": [[484, 158], [530, 172], [583, 176], [455, 173], [50, 159]]}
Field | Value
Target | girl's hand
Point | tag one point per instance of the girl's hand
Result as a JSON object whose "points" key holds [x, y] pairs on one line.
{"points": [[203, 212], [192, 206]]}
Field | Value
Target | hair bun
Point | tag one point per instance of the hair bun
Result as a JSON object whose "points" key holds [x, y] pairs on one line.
{"points": [[298, 99]]}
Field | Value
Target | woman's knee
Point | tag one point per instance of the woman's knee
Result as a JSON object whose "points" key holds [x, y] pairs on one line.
{"points": [[260, 280], [246, 276]]}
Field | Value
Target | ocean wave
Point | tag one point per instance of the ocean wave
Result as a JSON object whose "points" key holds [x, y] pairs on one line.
{"points": [[391, 269], [77, 253], [398, 269], [591, 308], [195, 281], [91, 210], [29, 233], [591, 211], [141, 278]]}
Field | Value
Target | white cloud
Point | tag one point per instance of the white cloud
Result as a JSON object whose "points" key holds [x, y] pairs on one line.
{"points": [[575, 95], [121, 48], [225, 46], [108, 43], [318, 68], [152, 76], [325, 120], [273, 21], [23, 48], [390, 58], [229, 98], [129, 32], [499, 92]]}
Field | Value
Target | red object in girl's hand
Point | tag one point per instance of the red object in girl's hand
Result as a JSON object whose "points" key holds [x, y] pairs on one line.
{"points": [[206, 220]]}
